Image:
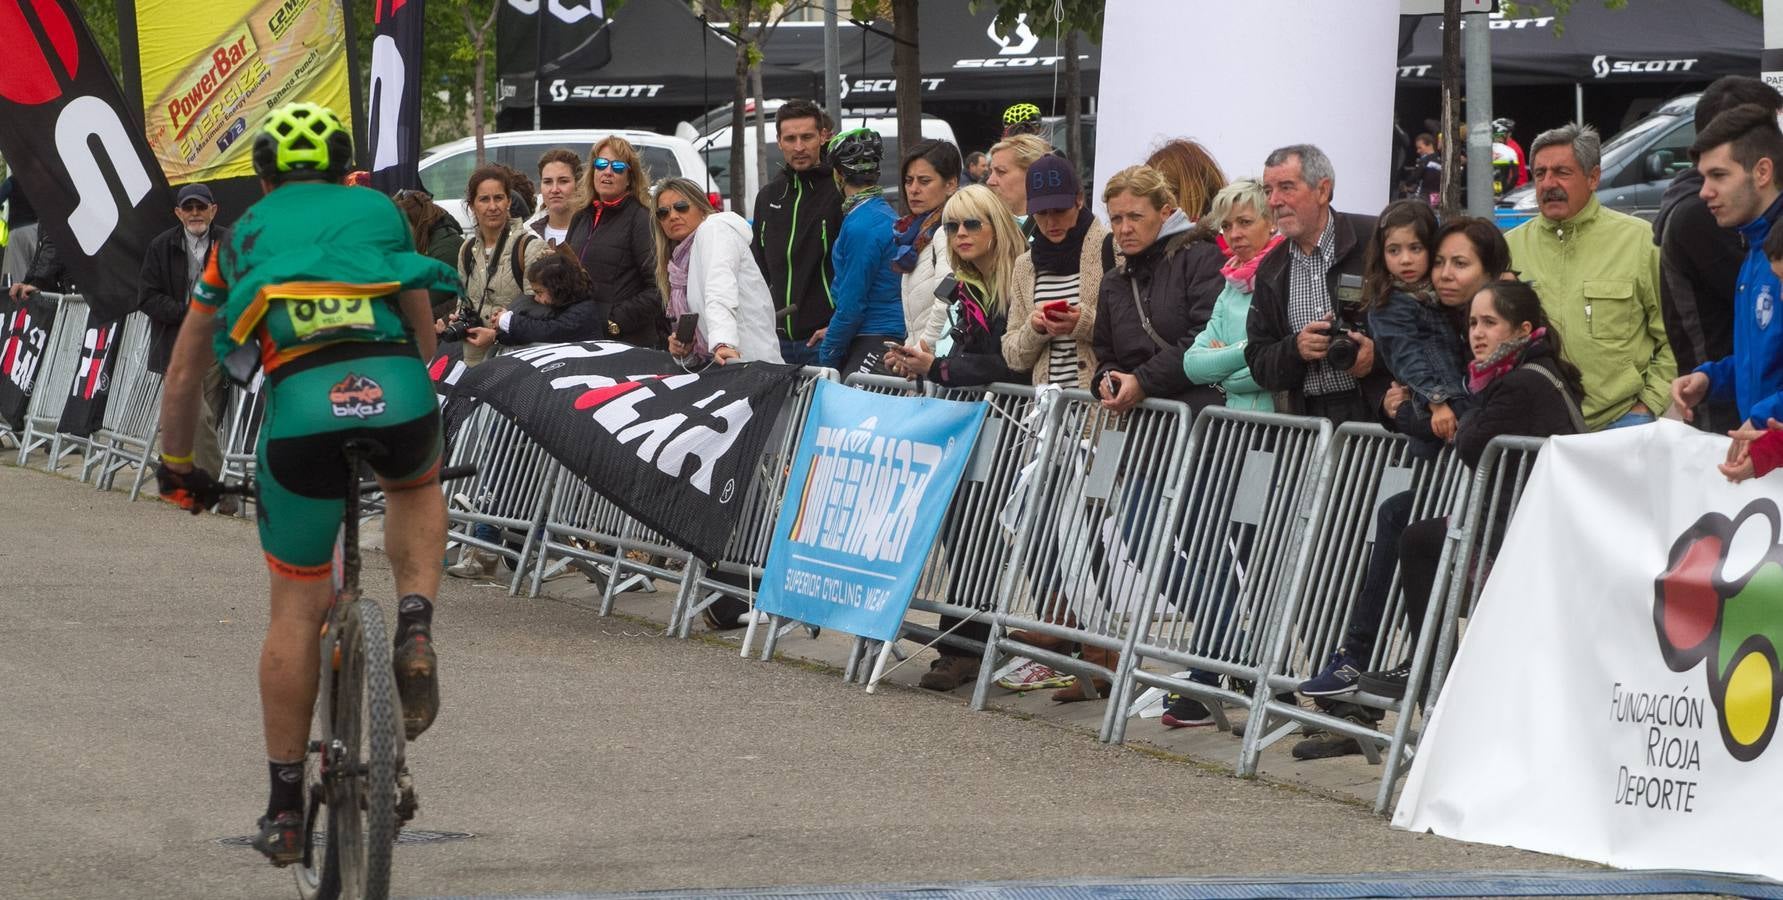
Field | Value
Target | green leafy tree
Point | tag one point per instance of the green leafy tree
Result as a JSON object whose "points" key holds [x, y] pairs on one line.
{"points": [[751, 21]]}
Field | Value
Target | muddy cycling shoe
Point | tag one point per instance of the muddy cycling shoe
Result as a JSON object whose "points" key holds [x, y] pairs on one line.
{"points": [[281, 838], [417, 678]]}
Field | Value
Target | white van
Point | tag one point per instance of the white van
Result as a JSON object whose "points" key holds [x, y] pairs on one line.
{"points": [[446, 168], [716, 148]]}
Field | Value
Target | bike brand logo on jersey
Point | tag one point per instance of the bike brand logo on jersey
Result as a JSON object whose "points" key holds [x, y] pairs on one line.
{"points": [[356, 397]]}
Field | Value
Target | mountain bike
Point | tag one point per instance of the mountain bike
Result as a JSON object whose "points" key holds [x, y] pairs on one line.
{"points": [[359, 789]]}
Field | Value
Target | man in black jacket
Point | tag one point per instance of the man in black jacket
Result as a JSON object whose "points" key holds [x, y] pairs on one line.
{"points": [[1699, 261], [797, 217], [1307, 301], [171, 265]]}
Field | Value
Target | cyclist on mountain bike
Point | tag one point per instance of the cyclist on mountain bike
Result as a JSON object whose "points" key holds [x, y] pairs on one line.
{"points": [[321, 286]]}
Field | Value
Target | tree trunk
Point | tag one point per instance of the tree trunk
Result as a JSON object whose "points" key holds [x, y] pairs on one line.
{"points": [[477, 95], [739, 96], [1074, 107], [907, 69], [761, 125], [1451, 109]]}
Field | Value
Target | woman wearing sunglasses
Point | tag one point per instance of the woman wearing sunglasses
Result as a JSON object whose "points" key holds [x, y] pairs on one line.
{"points": [[612, 237], [983, 242], [704, 267]]}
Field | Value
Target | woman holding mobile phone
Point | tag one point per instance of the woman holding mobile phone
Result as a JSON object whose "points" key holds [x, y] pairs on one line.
{"points": [[1052, 296], [704, 268]]}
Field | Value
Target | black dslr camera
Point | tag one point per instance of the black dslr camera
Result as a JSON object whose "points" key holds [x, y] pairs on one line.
{"points": [[1342, 352], [459, 326]]}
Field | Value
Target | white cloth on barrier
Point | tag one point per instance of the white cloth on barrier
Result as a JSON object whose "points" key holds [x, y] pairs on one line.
{"points": [[1616, 694]]}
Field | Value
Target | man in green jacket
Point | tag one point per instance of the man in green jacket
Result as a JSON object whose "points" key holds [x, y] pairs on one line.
{"points": [[1598, 275]]}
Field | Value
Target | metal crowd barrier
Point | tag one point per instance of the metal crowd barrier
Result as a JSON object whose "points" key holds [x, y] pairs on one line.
{"points": [[241, 431], [961, 574], [510, 492], [1090, 542], [586, 531], [1366, 467], [54, 383], [1242, 536], [747, 551], [132, 412]]}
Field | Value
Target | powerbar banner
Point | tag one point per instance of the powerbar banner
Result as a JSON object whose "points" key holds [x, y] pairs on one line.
{"points": [[66, 132], [869, 486], [1616, 693], [209, 75], [24, 338], [677, 450]]}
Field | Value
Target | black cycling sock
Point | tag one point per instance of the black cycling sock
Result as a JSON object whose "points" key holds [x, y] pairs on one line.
{"points": [[413, 609], [287, 787]]}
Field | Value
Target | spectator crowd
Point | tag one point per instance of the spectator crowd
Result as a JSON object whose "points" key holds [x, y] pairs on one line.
{"points": [[1252, 292]]}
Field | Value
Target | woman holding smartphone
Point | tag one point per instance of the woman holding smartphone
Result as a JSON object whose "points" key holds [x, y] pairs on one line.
{"points": [[1052, 297], [705, 269]]}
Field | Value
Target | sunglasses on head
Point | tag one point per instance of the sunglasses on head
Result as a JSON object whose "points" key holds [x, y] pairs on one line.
{"points": [[194, 206], [680, 206], [602, 163], [970, 225], [406, 193]]}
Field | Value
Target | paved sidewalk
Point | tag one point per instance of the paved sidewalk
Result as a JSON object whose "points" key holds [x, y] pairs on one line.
{"points": [[583, 754]]}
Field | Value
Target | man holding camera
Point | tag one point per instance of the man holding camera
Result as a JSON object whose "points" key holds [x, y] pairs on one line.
{"points": [[1307, 339]]}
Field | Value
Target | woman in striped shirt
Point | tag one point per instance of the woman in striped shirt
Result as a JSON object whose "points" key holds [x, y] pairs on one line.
{"points": [[1052, 295]]}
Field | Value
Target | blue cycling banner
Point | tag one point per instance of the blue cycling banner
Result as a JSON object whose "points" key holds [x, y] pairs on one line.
{"points": [[869, 486]]}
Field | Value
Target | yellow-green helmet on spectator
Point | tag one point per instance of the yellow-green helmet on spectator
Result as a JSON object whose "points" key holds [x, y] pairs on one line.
{"points": [[302, 141]]}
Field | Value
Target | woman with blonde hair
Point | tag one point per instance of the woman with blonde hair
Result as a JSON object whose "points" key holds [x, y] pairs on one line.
{"points": [[983, 243], [613, 238], [704, 267]]}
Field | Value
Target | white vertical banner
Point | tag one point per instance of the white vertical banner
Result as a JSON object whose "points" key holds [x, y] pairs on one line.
{"points": [[1245, 78], [1616, 694]]}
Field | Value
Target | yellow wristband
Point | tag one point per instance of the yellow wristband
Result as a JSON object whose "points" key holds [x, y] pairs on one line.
{"points": [[176, 460]]}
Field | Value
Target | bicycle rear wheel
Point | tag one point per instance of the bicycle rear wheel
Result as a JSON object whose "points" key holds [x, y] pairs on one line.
{"points": [[361, 757]]}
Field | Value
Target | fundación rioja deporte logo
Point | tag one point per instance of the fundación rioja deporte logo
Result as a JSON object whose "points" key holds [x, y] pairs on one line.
{"points": [[1722, 606]]}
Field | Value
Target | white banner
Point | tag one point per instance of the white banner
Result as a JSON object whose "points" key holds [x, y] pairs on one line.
{"points": [[1245, 78], [1616, 695]]}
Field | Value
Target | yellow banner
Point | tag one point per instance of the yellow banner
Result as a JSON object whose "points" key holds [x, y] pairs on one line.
{"points": [[208, 80]]}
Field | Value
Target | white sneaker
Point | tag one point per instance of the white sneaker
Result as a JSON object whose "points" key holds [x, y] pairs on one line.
{"points": [[474, 563], [1033, 676]]}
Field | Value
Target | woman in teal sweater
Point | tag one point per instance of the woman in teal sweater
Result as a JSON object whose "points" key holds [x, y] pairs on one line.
{"points": [[1241, 211]]}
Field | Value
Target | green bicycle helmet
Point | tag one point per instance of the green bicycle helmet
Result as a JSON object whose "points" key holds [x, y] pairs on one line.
{"points": [[1021, 118], [856, 153], [302, 141]]}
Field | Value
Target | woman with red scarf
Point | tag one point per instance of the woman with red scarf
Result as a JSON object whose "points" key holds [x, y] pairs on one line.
{"points": [[615, 241]]}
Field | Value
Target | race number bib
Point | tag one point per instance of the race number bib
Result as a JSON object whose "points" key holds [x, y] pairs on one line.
{"points": [[316, 316]]}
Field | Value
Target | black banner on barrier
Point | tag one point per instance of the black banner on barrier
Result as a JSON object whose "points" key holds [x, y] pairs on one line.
{"points": [[677, 451], [394, 120], [446, 368], [69, 136], [24, 339], [84, 412]]}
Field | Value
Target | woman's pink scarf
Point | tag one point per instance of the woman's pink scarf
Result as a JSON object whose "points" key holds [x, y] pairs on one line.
{"points": [[1244, 275]]}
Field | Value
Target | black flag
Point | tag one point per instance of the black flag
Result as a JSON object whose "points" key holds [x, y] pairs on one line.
{"points": [[73, 142], [544, 38], [676, 451], [24, 339], [84, 413], [394, 120]]}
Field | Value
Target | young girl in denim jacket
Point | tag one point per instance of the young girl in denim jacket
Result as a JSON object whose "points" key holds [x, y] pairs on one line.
{"points": [[1418, 337]]}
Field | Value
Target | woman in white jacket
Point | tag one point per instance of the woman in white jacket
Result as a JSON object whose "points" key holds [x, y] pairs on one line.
{"points": [[931, 174], [703, 266]]}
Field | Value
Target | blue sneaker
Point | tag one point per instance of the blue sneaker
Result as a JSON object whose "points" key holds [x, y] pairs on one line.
{"points": [[1339, 677]]}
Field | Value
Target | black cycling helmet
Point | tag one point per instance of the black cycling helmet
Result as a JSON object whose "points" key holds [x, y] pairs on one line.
{"points": [[302, 141], [856, 154]]}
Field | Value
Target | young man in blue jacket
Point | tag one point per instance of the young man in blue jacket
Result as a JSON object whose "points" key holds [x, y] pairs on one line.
{"points": [[1739, 155], [869, 299]]}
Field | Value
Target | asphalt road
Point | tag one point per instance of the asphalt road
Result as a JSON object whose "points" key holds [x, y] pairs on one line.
{"points": [[583, 754]]}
